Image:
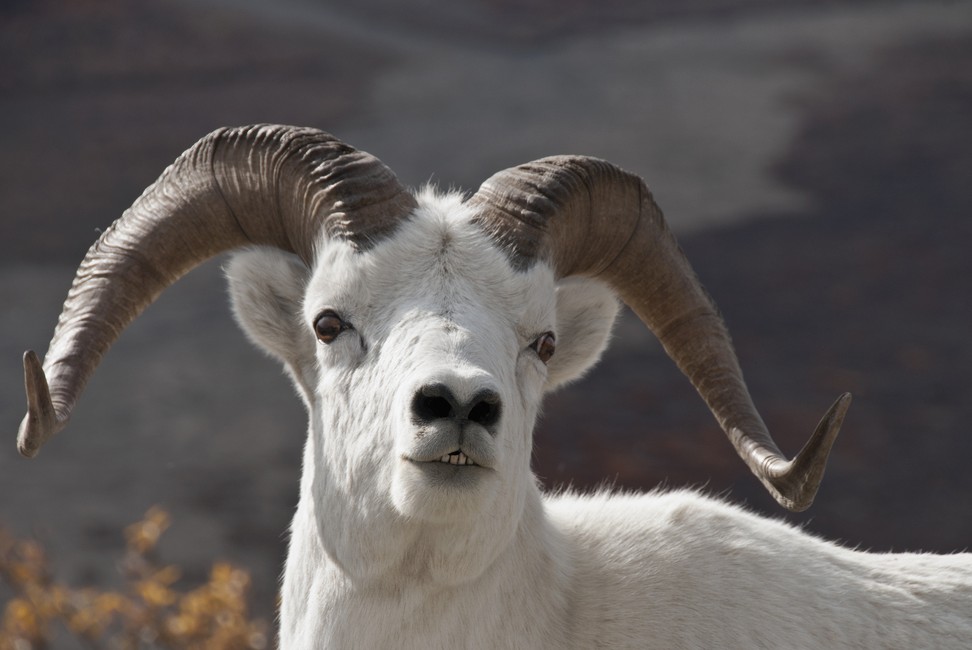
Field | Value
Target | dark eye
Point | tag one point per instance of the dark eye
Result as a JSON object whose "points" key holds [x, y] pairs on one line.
{"points": [[545, 346], [329, 325]]}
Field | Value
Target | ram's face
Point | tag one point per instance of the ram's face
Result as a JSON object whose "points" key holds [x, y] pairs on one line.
{"points": [[426, 363], [424, 360]]}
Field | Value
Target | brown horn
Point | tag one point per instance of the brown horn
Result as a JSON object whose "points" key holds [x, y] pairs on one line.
{"points": [[588, 217], [259, 185]]}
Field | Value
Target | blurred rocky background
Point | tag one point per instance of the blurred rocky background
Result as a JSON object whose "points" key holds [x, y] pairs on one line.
{"points": [[815, 158]]}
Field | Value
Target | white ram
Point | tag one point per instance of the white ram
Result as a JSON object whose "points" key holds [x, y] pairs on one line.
{"points": [[420, 331]]}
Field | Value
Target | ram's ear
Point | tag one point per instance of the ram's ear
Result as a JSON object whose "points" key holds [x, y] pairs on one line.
{"points": [[586, 310], [267, 290]]}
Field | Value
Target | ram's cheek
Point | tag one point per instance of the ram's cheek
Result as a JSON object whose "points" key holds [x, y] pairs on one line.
{"points": [[529, 381]]}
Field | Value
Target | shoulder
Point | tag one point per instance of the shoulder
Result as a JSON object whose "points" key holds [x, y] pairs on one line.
{"points": [[682, 523]]}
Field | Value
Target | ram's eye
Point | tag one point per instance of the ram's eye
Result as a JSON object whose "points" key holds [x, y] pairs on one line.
{"points": [[329, 325], [545, 346]]}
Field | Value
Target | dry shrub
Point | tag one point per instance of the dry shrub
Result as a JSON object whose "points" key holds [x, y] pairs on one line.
{"points": [[149, 613]]}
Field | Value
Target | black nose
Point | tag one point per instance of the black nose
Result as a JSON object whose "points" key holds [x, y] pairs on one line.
{"points": [[437, 402]]}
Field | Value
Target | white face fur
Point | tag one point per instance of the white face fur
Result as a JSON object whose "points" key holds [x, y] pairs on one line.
{"points": [[427, 325]]}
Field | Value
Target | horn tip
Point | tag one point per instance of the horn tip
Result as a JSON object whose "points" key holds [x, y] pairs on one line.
{"points": [[40, 422], [844, 401], [27, 447], [796, 487]]}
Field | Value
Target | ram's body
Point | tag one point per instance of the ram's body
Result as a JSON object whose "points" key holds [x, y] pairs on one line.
{"points": [[420, 332], [668, 571]]}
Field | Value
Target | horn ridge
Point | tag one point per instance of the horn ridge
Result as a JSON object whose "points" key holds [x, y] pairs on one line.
{"points": [[585, 216], [263, 184]]}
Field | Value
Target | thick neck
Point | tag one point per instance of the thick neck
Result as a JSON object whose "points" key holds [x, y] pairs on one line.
{"points": [[355, 529], [412, 605]]}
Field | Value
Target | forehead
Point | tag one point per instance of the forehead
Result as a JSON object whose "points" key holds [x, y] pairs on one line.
{"points": [[438, 260]]}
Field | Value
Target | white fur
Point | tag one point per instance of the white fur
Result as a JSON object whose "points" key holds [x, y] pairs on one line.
{"points": [[385, 555]]}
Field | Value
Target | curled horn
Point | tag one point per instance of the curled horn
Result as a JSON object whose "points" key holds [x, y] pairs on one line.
{"points": [[587, 217], [267, 185]]}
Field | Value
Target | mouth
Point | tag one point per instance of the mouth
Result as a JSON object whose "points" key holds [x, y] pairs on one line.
{"points": [[452, 450], [449, 472], [456, 458]]}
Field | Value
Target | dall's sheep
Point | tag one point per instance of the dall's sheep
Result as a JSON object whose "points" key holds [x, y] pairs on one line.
{"points": [[420, 331]]}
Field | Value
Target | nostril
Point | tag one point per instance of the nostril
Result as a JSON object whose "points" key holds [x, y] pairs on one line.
{"points": [[433, 402], [486, 408], [433, 408], [484, 414]]}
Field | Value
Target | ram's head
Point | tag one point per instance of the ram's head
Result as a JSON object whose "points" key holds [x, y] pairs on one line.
{"points": [[421, 330]]}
